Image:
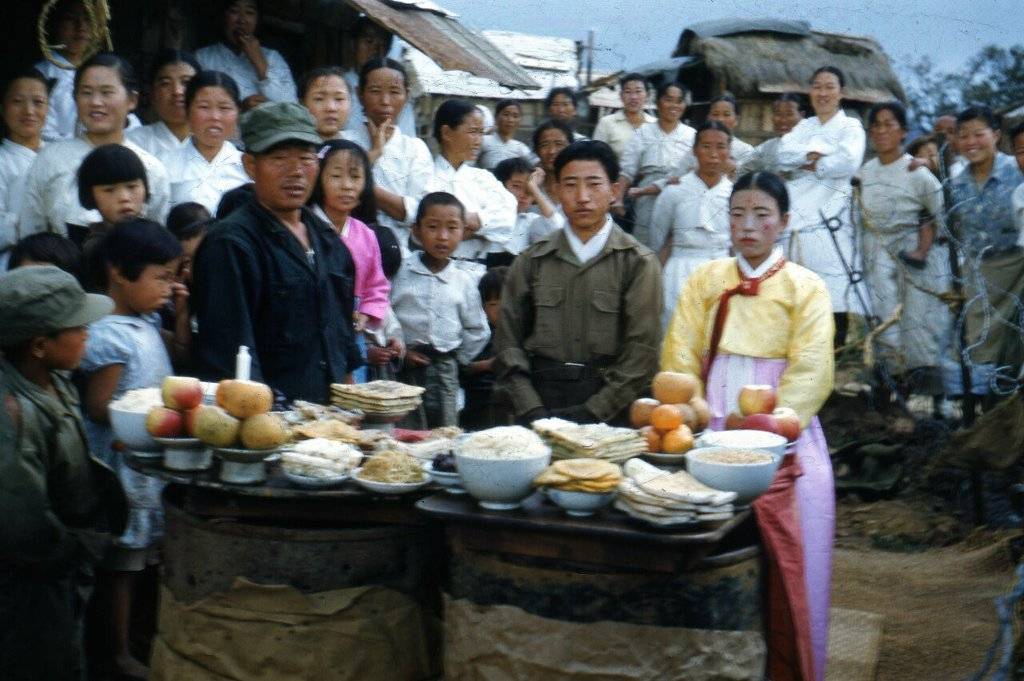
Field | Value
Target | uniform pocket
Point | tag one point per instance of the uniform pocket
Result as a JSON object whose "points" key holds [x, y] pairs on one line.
{"points": [[603, 322], [549, 315]]}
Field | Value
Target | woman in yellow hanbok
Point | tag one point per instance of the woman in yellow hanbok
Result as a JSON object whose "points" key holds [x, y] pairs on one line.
{"points": [[757, 319]]}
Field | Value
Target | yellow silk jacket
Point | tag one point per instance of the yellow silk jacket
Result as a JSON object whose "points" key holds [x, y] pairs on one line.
{"points": [[790, 318]]}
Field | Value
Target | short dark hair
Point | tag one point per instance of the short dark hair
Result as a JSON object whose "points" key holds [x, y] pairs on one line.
{"points": [[711, 125], [555, 91], [452, 113], [979, 113], [551, 125], [893, 107], [108, 164], [1016, 131], [491, 283], [510, 166], [313, 75], [135, 244], [169, 56], [50, 248], [366, 211], [770, 183], [630, 77], [364, 22], [589, 150], [186, 220], [109, 60], [205, 79], [381, 63], [506, 103], [828, 68], [795, 98], [28, 73], [663, 87], [922, 140], [438, 199], [726, 97], [233, 199]]}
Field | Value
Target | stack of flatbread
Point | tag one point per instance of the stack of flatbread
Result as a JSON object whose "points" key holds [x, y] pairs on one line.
{"points": [[570, 440], [377, 398], [661, 498], [580, 475]]}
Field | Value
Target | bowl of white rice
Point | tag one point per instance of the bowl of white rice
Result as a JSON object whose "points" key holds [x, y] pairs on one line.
{"points": [[498, 465], [128, 418], [748, 472]]}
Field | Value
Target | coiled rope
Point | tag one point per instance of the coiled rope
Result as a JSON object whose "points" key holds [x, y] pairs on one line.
{"points": [[98, 13]]}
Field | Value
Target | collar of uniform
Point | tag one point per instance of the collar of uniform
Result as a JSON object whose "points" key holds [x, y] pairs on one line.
{"points": [[53, 407], [558, 242], [417, 266], [312, 222]]}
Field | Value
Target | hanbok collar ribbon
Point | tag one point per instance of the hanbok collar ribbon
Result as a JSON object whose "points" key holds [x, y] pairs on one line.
{"points": [[746, 287]]}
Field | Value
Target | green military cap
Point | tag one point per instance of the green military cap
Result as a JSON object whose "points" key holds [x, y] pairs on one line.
{"points": [[40, 299], [275, 122]]}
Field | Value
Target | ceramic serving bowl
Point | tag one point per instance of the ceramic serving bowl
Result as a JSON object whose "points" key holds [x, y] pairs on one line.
{"points": [[743, 439], [500, 484], [747, 480], [580, 504], [130, 428]]}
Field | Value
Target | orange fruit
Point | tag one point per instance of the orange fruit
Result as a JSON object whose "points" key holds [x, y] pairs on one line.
{"points": [[689, 415], [653, 438], [671, 387], [640, 411], [678, 441], [703, 410], [667, 417]]}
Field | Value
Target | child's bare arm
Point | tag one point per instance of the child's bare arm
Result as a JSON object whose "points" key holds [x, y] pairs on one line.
{"points": [[100, 390]]}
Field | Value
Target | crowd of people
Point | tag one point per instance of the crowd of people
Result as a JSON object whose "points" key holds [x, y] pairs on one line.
{"points": [[306, 221]]}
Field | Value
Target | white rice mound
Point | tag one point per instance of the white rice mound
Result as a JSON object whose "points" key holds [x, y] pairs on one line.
{"points": [[503, 442]]}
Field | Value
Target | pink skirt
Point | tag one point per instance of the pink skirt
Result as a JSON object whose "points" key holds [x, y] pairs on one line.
{"points": [[815, 489]]}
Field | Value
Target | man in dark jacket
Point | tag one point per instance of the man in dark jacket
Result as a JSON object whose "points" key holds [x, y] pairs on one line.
{"points": [[273, 277]]}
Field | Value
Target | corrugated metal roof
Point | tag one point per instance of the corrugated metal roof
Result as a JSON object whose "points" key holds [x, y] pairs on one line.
{"points": [[452, 45], [550, 62]]}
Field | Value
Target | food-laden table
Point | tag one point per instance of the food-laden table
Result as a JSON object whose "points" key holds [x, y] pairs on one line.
{"points": [[532, 593], [277, 582]]}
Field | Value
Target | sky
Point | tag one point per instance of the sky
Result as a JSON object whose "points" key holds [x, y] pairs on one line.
{"points": [[634, 32]]}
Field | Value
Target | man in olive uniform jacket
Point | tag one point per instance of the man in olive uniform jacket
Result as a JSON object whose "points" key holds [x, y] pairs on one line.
{"points": [[579, 330]]}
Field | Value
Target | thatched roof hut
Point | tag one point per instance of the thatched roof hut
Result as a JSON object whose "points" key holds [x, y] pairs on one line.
{"points": [[757, 59]]}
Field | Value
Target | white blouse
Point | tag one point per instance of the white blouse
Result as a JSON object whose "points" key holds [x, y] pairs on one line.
{"points": [[62, 115], [157, 139], [693, 214], [15, 161], [441, 309], [193, 178], [404, 168], [893, 197], [51, 190], [481, 193], [278, 86], [653, 154], [495, 150]]}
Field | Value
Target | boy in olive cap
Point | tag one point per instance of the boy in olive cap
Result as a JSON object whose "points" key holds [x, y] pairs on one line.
{"points": [[58, 503]]}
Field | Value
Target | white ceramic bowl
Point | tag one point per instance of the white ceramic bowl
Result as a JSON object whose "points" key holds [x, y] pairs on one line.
{"points": [[748, 480], [314, 481], [130, 428], [743, 439], [500, 484], [580, 504], [450, 480]]}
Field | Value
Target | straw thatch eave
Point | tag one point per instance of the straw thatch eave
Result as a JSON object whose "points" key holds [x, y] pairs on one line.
{"points": [[755, 64]]}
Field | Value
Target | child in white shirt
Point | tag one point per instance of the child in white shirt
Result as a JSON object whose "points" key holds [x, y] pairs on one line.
{"points": [[438, 306]]}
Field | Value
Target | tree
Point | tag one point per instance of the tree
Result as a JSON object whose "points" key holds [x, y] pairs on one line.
{"points": [[930, 93], [995, 77]]}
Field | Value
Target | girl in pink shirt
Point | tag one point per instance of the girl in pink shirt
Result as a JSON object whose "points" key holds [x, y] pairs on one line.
{"points": [[344, 198]]}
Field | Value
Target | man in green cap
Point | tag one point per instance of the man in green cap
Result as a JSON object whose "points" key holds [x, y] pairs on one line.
{"points": [[273, 277], [59, 505]]}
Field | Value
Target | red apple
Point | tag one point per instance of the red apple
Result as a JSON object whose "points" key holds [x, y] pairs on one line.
{"points": [[765, 422], [788, 423], [756, 399], [164, 422], [182, 392], [190, 422], [733, 421]]}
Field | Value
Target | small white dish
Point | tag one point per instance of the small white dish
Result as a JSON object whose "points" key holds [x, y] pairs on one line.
{"points": [[449, 480], [314, 481], [387, 487], [580, 504], [666, 459]]}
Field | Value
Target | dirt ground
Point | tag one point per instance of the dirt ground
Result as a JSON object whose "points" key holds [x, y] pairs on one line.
{"points": [[915, 555]]}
